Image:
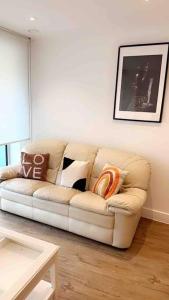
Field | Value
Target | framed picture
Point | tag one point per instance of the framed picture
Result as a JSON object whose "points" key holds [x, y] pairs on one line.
{"points": [[140, 82]]}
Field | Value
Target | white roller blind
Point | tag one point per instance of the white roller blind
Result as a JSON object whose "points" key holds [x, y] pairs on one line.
{"points": [[14, 88]]}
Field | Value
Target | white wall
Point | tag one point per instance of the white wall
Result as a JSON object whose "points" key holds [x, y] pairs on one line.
{"points": [[73, 80]]}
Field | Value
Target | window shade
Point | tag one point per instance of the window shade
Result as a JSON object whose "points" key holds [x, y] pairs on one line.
{"points": [[14, 88]]}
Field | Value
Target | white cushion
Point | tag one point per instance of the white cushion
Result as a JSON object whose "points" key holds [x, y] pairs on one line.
{"points": [[80, 152], [74, 174]]}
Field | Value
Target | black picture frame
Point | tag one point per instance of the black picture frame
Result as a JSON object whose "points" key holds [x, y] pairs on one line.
{"points": [[131, 91]]}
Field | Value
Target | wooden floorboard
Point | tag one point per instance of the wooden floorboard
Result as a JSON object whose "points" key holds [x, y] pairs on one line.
{"points": [[88, 270]]}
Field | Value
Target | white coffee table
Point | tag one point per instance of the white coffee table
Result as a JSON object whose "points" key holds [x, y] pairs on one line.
{"points": [[24, 261]]}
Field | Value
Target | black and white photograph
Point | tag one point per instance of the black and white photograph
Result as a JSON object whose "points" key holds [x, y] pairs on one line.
{"points": [[140, 84]]}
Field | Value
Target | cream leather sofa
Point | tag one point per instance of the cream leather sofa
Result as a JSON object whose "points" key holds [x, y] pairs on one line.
{"points": [[113, 221]]}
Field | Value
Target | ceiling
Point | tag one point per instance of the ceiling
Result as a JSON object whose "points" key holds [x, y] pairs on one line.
{"points": [[68, 16]]}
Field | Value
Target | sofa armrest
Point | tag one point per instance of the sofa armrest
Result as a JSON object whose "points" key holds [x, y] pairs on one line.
{"points": [[130, 201], [9, 172]]}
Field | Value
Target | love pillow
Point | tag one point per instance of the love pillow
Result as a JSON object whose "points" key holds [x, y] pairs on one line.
{"points": [[34, 166]]}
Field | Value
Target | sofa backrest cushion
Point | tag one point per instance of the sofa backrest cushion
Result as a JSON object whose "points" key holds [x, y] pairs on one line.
{"points": [[138, 168], [55, 148], [80, 152]]}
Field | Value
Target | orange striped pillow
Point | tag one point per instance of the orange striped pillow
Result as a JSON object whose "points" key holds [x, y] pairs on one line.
{"points": [[109, 181]]}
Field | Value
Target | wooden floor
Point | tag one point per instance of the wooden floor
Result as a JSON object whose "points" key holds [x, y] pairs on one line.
{"points": [[88, 270]]}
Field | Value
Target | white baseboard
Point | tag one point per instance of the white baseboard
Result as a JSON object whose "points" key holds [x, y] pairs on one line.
{"points": [[155, 215]]}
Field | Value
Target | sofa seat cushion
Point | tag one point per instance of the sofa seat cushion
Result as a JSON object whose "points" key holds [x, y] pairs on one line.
{"points": [[15, 197], [90, 202], [91, 217], [56, 193], [23, 186]]}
